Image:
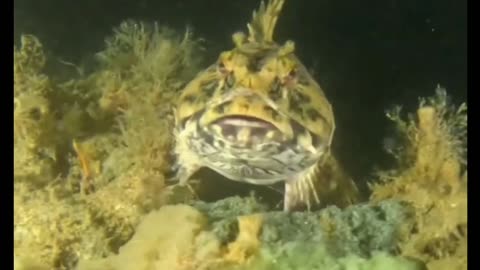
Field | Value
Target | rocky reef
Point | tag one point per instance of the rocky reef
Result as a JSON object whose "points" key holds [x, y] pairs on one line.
{"points": [[92, 155]]}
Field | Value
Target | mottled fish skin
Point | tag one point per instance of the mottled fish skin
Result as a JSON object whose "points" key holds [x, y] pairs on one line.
{"points": [[257, 116]]}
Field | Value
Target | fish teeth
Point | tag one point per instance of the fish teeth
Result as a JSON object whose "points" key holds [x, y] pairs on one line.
{"points": [[270, 134], [243, 134]]}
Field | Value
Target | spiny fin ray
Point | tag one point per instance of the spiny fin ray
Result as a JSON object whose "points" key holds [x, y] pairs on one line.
{"points": [[324, 184], [263, 22]]}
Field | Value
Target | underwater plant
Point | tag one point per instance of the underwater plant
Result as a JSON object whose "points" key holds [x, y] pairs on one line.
{"points": [[432, 175], [71, 134], [34, 134]]}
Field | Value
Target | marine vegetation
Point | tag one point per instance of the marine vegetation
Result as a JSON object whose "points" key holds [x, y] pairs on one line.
{"points": [[432, 176], [93, 162], [91, 152]]}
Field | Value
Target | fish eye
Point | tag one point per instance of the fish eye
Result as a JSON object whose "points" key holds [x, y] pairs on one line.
{"points": [[290, 77], [292, 74], [221, 67]]}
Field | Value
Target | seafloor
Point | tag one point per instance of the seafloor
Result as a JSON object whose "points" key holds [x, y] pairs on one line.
{"points": [[92, 155]]}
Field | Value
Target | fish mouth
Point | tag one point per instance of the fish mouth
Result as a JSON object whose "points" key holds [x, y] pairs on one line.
{"points": [[239, 121], [246, 129]]}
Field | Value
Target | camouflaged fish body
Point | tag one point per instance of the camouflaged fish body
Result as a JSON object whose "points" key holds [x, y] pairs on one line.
{"points": [[257, 116]]}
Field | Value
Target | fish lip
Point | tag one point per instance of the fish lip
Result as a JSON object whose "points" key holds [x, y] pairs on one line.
{"points": [[244, 121]]}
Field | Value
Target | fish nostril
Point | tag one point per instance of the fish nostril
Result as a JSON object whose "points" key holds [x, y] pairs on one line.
{"points": [[230, 80]]}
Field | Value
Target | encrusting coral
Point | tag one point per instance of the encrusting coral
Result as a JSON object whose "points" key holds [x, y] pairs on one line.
{"points": [[215, 236]]}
